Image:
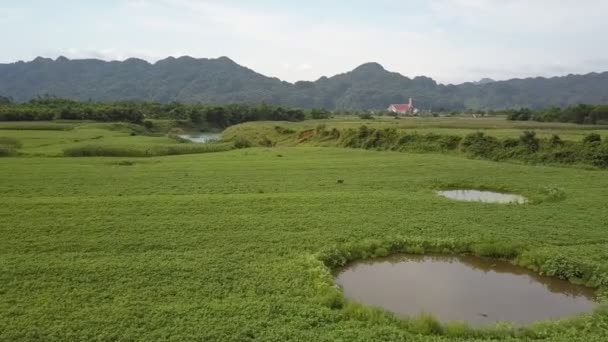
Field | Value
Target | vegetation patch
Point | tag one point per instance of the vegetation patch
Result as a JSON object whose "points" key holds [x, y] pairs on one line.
{"points": [[9, 146], [152, 151], [527, 148]]}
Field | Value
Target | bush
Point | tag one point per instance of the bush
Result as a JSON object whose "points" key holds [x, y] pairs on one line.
{"points": [[555, 140], [592, 138], [241, 142], [6, 151], [425, 324], [530, 141], [366, 116], [9, 146], [12, 142], [599, 155], [319, 114], [480, 145]]}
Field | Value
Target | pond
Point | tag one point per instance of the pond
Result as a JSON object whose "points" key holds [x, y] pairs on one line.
{"points": [[201, 138], [462, 288], [482, 196]]}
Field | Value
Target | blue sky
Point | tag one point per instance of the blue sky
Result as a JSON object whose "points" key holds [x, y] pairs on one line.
{"points": [[450, 40]]}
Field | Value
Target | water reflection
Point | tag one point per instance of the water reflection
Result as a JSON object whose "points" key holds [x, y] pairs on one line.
{"points": [[202, 138], [482, 196], [480, 291]]}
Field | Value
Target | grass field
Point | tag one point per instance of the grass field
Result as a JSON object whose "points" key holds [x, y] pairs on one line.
{"points": [[238, 246]]}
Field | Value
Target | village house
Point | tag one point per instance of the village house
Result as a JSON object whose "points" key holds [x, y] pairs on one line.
{"points": [[403, 109]]}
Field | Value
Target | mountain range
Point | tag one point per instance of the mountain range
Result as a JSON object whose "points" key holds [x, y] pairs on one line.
{"points": [[221, 80]]}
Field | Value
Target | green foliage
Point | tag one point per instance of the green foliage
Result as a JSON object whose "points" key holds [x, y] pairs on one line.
{"points": [[12, 142], [592, 138], [9, 146], [480, 145], [457, 329], [555, 140], [425, 324], [51, 108], [580, 114], [319, 113], [120, 151], [241, 142], [529, 140]]}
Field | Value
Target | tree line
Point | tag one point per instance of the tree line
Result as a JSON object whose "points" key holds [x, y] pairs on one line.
{"points": [[580, 114], [52, 108]]}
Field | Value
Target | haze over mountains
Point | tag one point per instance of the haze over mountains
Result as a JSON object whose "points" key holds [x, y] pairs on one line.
{"points": [[221, 80]]}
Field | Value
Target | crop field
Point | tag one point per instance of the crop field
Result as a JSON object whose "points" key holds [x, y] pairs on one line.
{"points": [[240, 245]]}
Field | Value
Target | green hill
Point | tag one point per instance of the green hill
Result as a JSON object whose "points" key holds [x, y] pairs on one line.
{"points": [[219, 81]]}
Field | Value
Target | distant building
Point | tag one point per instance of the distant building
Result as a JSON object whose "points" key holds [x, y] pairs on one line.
{"points": [[403, 109]]}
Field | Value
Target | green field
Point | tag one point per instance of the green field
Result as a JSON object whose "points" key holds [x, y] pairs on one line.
{"points": [[239, 245]]}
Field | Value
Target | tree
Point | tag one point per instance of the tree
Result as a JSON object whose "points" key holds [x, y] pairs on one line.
{"points": [[4, 100], [319, 113]]}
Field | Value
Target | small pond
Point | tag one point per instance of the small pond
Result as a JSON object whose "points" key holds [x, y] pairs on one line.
{"points": [[462, 288], [201, 138], [482, 196]]}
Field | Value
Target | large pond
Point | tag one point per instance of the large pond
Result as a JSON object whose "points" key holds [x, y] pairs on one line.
{"points": [[462, 288], [202, 138], [482, 196]]}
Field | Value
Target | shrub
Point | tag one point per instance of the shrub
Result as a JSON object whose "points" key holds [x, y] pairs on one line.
{"points": [[592, 138], [266, 142], [480, 145], [510, 143], [599, 155], [530, 141], [366, 116], [457, 329], [241, 142], [6, 150], [12, 142], [450, 142], [425, 324], [555, 140], [319, 114], [9, 146], [148, 124]]}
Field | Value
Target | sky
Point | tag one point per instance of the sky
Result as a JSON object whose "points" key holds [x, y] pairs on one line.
{"points": [[452, 41]]}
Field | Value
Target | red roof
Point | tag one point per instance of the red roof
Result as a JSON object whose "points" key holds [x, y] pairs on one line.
{"points": [[400, 107]]}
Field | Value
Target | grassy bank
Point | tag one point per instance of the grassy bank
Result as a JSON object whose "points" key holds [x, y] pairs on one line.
{"points": [[581, 147]]}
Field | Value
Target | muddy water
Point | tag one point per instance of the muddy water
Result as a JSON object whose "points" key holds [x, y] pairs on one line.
{"points": [[202, 138], [479, 291], [482, 196]]}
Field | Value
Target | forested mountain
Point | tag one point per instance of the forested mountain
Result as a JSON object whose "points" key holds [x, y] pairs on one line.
{"points": [[221, 80]]}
